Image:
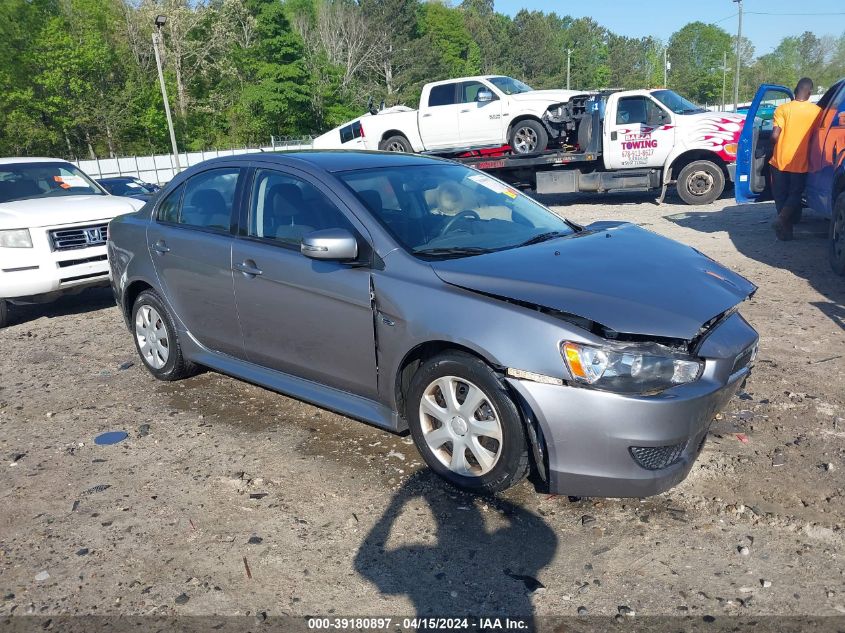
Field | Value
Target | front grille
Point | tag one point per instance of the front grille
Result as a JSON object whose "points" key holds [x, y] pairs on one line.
{"points": [[67, 280], [657, 457], [84, 260], [79, 237]]}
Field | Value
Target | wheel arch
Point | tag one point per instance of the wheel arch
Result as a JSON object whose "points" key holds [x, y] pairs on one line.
{"points": [[524, 117], [131, 293], [393, 132], [685, 158]]}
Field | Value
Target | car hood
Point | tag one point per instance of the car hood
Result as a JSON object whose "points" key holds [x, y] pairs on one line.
{"points": [[550, 96], [618, 275], [40, 212]]}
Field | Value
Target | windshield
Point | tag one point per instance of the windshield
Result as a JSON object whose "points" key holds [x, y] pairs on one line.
{"points": [[127, 187], [24, 181], [676, 103], [510, 86], [446, 211]]}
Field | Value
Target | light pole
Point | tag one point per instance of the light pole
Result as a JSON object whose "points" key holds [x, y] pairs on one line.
{"points": [[159, 22], [665, 67], [724, 77], [568, 55], [738, 41]]}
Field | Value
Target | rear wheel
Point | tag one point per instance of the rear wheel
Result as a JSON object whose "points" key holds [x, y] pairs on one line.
{"points": [[465, 424], [700, 182], [836, 249], [396, 143], [4, 312], [156, 339], [528, 137]]}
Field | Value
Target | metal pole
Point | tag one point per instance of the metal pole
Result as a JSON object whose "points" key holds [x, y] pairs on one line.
{"points": [[568, 66], [738, 40], [665, 67], [157, 31], [724, 77]]}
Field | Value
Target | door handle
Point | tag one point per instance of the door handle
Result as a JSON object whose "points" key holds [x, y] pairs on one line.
{"points": [[425, 115], [160, 247], [467, 110], [249, 269]]}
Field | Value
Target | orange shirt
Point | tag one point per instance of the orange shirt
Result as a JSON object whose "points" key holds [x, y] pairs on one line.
{"points": [[795, 120]]}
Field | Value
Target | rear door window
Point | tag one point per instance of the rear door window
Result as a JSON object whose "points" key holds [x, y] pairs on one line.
{"points": [[442, 95]]}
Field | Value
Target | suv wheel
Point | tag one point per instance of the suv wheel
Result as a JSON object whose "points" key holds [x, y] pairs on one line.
{"points": [[528, 137], [4, 312], [465, 424], [156, 339], [700, 182], [396, 143], [837, 236]]}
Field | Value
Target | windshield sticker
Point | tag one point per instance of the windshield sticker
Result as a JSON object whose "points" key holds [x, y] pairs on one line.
{"points": [[494, 185], [133, 185], [66, 182]]}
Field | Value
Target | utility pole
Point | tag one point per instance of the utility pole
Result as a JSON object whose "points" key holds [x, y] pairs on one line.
{"points": [[665, 67], [159, 22], [724, 77], [568, 67], [738, 60]]}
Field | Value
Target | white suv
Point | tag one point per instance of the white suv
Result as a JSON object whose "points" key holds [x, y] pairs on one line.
{"points": [[53, 230]]}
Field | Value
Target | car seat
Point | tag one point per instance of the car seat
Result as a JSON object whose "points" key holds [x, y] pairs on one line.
{"points": [[207, 207], [284, 210]]}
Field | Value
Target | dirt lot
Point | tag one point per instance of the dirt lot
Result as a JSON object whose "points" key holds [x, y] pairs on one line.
{"points": [[229, 499]]}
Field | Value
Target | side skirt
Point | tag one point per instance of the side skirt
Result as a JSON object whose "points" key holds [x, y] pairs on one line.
{"points": [[342, 402]]}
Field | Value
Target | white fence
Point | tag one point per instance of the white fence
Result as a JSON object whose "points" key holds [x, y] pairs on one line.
{"points": [[160, 168]]}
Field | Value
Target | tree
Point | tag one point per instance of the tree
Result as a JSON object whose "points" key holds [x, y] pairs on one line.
{"points": [[696, 53]]}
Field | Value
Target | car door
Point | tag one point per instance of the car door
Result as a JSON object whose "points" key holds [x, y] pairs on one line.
{"points": [[827, 149], [438, 119], [301, 316], [755, 144], [638, 133], [190, 243], [479, 122]]}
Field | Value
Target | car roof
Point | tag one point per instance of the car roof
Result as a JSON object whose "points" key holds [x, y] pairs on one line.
{"points": [[336, 160], [8, 160]]}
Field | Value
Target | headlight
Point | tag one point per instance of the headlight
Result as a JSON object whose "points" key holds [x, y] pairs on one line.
{"points": [[634, 369], [15, 238]]}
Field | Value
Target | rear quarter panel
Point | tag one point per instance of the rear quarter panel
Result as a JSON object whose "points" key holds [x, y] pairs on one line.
{"points": [[129, 254]]}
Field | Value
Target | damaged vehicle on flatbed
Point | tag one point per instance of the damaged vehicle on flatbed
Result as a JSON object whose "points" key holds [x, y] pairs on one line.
{"points": [[419, 295]]}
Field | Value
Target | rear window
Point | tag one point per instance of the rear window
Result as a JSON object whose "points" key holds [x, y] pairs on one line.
{"points": [[442, 95], [351, 132]]}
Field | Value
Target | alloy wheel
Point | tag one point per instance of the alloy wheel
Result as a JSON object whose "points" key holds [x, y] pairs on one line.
{"points": [[461, 426], [395, 146], [151, 333], [525, 140]]}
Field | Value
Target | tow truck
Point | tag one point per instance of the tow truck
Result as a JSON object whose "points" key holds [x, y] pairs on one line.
{"points": [[612, 140]]}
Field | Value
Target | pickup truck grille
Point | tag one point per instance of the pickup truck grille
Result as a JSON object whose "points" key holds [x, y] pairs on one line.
{"points": [[79, 237]]}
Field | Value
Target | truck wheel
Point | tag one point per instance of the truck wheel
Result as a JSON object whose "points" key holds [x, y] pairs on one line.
{"points": [[837, 236], [700, 182], [528, 137], [396, 143], [4, 312], [466, 425]]}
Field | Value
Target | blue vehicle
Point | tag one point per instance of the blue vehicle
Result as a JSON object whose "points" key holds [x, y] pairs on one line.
{"points": [[825, 190]]}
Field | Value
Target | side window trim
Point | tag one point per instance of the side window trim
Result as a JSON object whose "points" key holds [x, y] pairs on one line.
{"points": [[158, 208]]}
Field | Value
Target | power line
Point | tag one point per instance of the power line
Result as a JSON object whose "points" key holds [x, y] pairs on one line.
{"points": [[794, 14], [732, 15]]}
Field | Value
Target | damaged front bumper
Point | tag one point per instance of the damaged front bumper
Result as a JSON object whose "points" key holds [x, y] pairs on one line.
{"points": [[605, 444]]}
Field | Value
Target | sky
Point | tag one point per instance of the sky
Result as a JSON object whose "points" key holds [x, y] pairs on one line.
{"points": [[661, 18]]}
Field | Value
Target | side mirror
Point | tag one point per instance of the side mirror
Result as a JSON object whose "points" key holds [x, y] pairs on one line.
{"points": [[330, 244], [484, 96]]}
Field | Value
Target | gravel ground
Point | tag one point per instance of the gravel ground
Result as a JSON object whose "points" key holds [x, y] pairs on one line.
{"points": [[230, 499]]}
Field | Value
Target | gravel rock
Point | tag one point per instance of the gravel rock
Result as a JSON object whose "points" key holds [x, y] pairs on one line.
{"points": [[582, 610], [743, 550], [182, 598]]}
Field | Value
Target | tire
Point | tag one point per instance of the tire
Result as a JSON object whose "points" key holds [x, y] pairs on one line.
{"points": [[528, 137], [700, 182], [396, 143], [487, 464], [585, 133], [4, 313], [836, 250], [152, 320]]}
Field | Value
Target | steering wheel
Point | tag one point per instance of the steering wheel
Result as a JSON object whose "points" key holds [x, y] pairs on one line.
{"points": [[461, 215]]}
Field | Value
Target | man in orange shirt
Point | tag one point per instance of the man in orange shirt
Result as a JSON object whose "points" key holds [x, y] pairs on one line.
{"points": [[793, 124]]}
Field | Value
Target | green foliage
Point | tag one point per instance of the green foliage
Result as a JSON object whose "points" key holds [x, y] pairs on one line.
{"points": [[79, 76]]}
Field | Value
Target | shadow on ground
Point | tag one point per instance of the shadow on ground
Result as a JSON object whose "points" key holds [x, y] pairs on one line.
{"points": [[748, 227], [484, 555], [89, 300]]}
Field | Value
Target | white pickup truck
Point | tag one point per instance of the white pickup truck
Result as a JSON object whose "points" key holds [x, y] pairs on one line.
{"points": [[458, 114]]}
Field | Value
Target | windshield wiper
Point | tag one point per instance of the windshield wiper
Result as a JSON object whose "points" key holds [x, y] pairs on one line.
{"points": [[453, 251], [542, 237]]}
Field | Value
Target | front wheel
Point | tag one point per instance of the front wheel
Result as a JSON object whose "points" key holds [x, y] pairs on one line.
{"points": [[396, 143], [528, 137], [700, 182], [465, 424], [836, 250]]}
